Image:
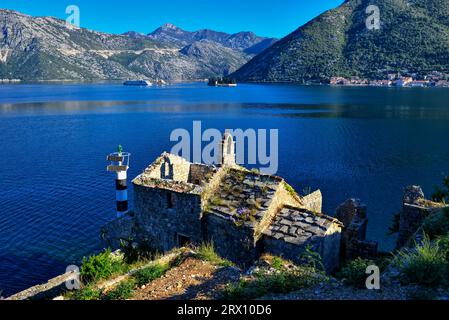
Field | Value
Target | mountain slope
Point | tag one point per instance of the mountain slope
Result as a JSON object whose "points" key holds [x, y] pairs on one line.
{"points": [[414, 36], [242, 41], [43, 48], [197, 61]]}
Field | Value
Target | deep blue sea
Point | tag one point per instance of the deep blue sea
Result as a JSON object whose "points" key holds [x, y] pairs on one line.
{"points": [[55, 193]]}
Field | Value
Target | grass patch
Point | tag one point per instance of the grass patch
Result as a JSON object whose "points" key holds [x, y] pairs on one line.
{"points": [[284, 281], [426, 264], [277, 263], [290, 190], [206, 252], [149, 274], [101, 266], [443, 244], [354, 273], [123, 291], [216, 201], [87, 293]]}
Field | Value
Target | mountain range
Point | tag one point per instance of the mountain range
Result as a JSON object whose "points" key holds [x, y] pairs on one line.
{"points": [[247, 42], [44, 48], [413, 37]]}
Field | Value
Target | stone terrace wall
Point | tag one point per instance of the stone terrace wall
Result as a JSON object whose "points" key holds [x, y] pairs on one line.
{"points": [[50, 290], [159, 224]]}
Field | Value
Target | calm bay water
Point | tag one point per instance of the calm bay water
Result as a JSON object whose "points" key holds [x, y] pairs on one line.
{"points": [[55, 195]]}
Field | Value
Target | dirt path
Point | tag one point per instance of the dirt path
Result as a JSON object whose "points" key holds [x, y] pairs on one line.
{"points": [[191, 280]]}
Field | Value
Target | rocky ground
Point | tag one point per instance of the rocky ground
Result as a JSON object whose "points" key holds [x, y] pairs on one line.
{"points": [[191, 280], [336, 290], [194, 279]]}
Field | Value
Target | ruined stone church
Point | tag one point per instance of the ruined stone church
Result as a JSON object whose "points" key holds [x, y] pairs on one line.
{"points": [[244, 213]]}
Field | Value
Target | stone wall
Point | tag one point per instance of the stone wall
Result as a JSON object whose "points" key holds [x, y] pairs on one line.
{"points": [[331, 247], [327, 247], [231, 242], [213, 186], [160, 225], [296, 229], [314, 202], [285, 250], [290, 199], [276, 203], [353, 215], [412, 218], [363, 249], [200, 174], [117, 230], [169, 167], [280, 199], [415, 210], [50, 290]]}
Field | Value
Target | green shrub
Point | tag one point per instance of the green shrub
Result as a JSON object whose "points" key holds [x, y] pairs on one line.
{"points": [[206, 252], [310, 258], [354, 273], [277, 263], [426, 264], [443, 244], [87, 293], [101, 266], [281, 282], [290, 190], [243, 290], [123, 291], [149, 274], [437, 224]]}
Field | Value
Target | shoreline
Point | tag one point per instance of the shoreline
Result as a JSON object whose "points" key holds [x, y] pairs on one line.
{"points": [[120, 82]]}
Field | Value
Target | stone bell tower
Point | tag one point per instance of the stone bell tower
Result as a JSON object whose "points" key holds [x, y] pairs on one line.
{"points": [[227, 151]]}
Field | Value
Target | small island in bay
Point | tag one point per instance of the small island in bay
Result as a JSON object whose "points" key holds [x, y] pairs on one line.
{"points": [[222, 82]]}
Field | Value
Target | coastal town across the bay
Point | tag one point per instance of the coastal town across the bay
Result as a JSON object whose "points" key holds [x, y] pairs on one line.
{"points": [[433, 79]]}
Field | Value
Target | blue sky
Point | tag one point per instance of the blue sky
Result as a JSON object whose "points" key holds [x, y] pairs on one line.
{"points": [[274, 18]]}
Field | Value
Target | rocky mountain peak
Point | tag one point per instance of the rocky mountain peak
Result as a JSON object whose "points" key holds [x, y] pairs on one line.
{"points": [[169, 27]]}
